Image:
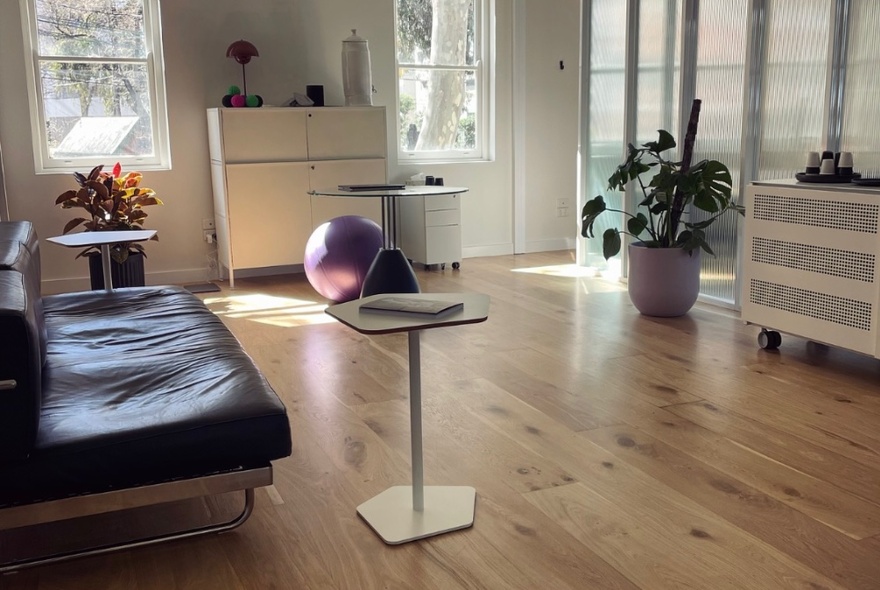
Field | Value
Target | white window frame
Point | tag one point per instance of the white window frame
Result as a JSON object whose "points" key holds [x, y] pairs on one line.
{"points": [[44, 163], [484, 42]]}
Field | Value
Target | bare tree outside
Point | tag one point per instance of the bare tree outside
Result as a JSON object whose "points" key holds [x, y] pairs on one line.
{"points": [[434, 112], [80, 43], [446, 87]]}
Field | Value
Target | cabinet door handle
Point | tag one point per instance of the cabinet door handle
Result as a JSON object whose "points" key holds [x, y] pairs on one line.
{"points": [[8, 384]]}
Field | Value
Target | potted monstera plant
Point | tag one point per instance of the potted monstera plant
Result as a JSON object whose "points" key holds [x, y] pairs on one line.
{"points": [[664, 254], [112, 202]]}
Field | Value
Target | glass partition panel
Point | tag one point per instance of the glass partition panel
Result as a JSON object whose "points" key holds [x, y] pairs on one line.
{"points": [[721, 54], [794, 86], [861, 119], [605, 140], [659, 68]]}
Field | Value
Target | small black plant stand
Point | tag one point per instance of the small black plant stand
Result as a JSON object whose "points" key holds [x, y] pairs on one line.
{"points": [[128, 274]]}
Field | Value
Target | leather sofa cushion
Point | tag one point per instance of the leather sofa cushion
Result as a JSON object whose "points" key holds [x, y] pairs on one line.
{"points": [[143, 385]]}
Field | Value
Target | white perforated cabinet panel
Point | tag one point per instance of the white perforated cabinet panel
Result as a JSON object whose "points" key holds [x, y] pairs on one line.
{"points": [[810, 263]]}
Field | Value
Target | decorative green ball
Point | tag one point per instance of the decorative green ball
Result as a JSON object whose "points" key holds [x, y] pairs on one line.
{"points": [[253, 100], [234, 90]]}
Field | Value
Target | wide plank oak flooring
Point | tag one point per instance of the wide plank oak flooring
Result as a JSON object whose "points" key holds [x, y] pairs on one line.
{"points": [[608, 450]]}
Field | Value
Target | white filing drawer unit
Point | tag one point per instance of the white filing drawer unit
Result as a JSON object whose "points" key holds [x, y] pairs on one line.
{"points": [[430, 228], [810, 262], [265, 160]]}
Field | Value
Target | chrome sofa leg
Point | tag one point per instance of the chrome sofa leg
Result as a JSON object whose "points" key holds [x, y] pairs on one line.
{"points": [[113, 547]]}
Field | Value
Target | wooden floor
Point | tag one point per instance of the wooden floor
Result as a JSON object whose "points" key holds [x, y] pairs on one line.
{"points": [[608, 450]]}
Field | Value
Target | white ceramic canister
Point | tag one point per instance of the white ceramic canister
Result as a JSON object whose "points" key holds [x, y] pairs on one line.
{"points": [[357, 79]]}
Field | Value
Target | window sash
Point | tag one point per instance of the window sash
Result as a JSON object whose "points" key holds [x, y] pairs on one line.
{"points": [[482, 40], [470, 153], [44, 162]]}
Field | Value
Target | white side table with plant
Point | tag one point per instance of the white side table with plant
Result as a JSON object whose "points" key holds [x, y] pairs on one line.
{"points": [[664, 258], [114, 203]]}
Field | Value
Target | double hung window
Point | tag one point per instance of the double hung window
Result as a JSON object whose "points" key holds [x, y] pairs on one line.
{"points": [[96, 83], [442, 55]]}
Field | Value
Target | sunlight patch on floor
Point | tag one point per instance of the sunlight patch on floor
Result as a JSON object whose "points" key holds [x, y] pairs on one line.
{"points": [[562, 270], [610, 273], [285, 312], [596, 280]]}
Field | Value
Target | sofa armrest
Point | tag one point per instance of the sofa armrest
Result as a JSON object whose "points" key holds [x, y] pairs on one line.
{"points": [[21, 364]]}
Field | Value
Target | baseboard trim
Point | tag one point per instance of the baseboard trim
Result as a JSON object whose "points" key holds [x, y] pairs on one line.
{"points": [[550, 245], [173, 277], [200, 275], [266, 271], [491, 250]]}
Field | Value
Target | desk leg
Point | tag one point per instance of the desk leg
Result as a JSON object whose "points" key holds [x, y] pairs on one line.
{"points": [[407, 513], [415, 421], [105, 260]]}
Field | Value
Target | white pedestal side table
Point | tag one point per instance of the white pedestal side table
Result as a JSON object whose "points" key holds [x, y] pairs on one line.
{"points": [[407, 513], [103, 239]]}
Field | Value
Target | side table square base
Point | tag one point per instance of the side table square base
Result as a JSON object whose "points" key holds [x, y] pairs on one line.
{"points": [[447, 508]]}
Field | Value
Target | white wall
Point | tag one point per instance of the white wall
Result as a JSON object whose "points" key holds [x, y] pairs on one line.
{"points": [[300, 43], [552, 34]]}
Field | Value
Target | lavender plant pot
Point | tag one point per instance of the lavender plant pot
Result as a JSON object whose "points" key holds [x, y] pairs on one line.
{"points": [[663, 282]]}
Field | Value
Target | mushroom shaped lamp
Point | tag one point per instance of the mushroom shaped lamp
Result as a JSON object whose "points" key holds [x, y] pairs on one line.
{"points": [[242, 51]]}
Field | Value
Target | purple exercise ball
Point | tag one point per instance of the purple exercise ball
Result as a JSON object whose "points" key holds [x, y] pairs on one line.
{"points": [[339, 254]]}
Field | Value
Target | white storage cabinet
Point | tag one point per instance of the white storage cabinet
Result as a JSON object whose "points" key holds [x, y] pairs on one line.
{"points": [[810, 263], [263, 163], [430, 229]]}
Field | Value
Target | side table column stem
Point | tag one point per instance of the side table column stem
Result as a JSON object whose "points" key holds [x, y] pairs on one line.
{"points": [[415, 418], [105, 262], [384, 201]]}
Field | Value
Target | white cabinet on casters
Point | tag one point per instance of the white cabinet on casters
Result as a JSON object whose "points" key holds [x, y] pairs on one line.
{"points": [[811, 264], [430, 229]]}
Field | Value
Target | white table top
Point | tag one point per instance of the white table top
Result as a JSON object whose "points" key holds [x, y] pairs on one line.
{"points": [[98, 238], [475, 310], [409, 191]]}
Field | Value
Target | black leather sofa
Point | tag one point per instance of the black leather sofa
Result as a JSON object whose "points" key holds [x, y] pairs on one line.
{"points": [[121, 399]]}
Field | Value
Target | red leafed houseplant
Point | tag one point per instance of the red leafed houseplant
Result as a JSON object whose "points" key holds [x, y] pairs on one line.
{"points": [[114, 202]]}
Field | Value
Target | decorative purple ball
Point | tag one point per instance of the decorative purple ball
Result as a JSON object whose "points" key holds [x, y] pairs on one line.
{"points": [[238, 100], [339, 254]]}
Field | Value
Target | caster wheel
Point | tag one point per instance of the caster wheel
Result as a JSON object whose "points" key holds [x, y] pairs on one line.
{"points": [[443, 266], [456, 265], [769, 339]]}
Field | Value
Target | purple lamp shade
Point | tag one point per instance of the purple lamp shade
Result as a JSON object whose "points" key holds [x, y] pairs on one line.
{"points": [[242, 51]]}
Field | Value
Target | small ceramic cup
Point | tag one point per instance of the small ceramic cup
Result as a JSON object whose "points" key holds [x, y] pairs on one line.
{"points": [[813, 163], [845, 164]]}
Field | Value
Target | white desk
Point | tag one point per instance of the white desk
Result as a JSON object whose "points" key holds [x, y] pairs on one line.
{"points": [[391, 271], [407, 513], [103, 239]]}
